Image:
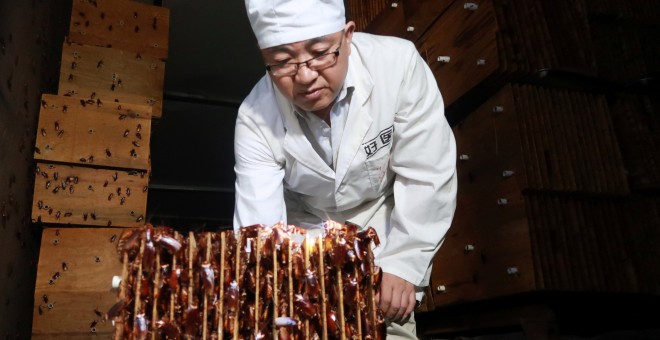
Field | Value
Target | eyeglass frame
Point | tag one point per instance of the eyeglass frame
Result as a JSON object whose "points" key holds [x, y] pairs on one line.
{"points": [[306, 62]]}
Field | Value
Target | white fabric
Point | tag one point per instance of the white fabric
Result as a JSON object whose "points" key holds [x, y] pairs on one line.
{"points": [[277, 22], [396, 165]]}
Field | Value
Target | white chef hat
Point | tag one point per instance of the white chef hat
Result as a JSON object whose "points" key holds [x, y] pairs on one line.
{"points": [[277, 22]]}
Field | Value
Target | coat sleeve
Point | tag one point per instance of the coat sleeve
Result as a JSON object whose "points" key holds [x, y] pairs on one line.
{"points": [[423, 157], [259, 175]]}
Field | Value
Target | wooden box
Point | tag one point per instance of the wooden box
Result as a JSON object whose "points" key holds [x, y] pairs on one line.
{"points": [[88, 131], [74, 281], [81, 195], [112, 75], [124, 25]]}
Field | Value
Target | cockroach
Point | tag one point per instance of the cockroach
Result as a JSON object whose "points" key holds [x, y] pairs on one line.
{"points": [[50, 211], [71, 190], [232, 297], [126, 133], [140, 218], [45, 298], [74, 65], [68, 214], [122, 117], [40, 204], [145, 188], [128, 192], [57, 232], [64, 108], [44, 174], [115, 176], [90, 101], [122, 201], [60, 134], [192, 320], [98, 313], [138, 128], [173, 280], [113, 238], [83, 159], [70, 77], [331, 321], [90, 188], [99, 64], [110, 196], [47, 184], [207, 277], [56, 190], [108, 153], [105, 184], [43, 132], [136, 144], [93, 95], [119, 191], [112, 87], [153, 23], [75, 180], [37, 150], [85, 216], [168, 329], [99, 103], [82, 102], [109, 27], [102, 15], [133, 153], [65, 267], [119, 83], [138, 135], [56, 175], [169, 243], [57, 126], [87, 23], [93, 216], [304, 306], [137, 29], [56, 276], [117, 308], [135, 15], [63, 185], [41, 310], [138, 57], [44, 104], [57, 215]]}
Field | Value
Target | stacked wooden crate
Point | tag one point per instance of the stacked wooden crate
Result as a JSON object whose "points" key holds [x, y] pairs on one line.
{"points": [[557, 168], [93, 158]]}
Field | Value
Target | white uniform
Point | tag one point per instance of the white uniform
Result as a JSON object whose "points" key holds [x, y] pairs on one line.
{"points": [[394, 169]]}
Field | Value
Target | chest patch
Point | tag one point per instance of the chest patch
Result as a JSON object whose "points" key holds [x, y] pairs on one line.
{"points": [[383, 139]]}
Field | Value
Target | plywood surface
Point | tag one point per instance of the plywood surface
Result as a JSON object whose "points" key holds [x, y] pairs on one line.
{"points": [[83, 195], [83, 260], [112, 75], [75, 130], [124, 25]]}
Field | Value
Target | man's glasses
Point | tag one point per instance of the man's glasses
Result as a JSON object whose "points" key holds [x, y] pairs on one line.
{"points": [[315, 64]]}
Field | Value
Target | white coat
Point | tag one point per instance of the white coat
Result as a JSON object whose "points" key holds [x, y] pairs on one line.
{"points": [[395, 168]]}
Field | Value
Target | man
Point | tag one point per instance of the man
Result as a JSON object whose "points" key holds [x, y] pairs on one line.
{"points": [[349, 127]]}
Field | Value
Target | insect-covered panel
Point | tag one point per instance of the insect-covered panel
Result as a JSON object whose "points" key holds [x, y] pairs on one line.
{"points": [[112, 75], [82, 195], [125, 25], [90, 131]]}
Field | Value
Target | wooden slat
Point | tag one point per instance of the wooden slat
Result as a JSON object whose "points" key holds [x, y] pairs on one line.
{"points": [[97, 197], [125, 25], [107, 134], [85, 286], [112, 75]]}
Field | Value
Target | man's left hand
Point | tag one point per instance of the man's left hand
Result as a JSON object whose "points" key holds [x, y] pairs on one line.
{"points": [[396, 298]]}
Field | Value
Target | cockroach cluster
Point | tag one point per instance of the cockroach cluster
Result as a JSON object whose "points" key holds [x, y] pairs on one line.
{"points": [[276, 282]]}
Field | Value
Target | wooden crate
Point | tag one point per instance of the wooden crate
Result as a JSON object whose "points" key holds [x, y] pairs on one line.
{"points": [[83, 261], [124, 25], [70, 194], [88, 131], [112, 75]]}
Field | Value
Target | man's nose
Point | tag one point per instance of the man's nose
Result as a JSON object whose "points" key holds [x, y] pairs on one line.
{"points": [[305, 74]]}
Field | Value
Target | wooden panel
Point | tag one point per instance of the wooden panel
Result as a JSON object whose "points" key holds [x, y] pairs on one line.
{"points": [[82, 195], [420, 14], [125, 25], [389, 21], [84, 260], [112, 75], [110, 134], [466, 36]]}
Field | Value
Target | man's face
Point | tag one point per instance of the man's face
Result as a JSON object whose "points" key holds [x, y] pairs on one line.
{"points": [[308, 89]]}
